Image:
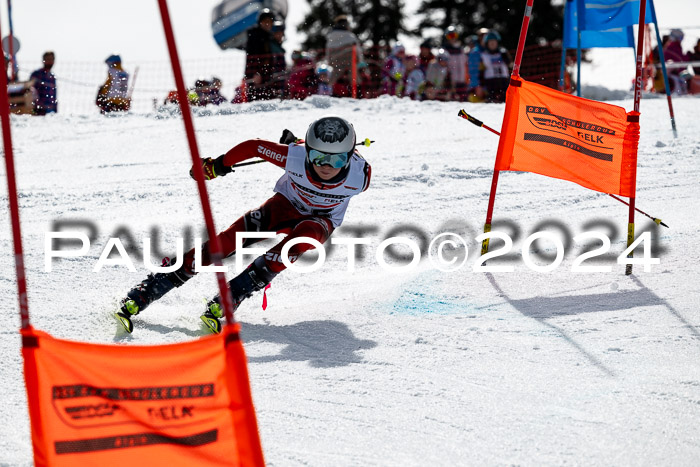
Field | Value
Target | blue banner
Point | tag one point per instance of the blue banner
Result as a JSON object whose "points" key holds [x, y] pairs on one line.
{"points": [[616, 37], [603, 23], [602, 15]]}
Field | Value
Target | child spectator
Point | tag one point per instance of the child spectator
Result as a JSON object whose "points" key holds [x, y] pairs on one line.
{"points": [[495, 64], [673, 53], [44, 83], [374, 70], [113, 95], [8, 62], [365, 84], [394, 71], [659, 85], [694, 56], [302, 79], [437, 78], [415, 78], [215, 96], [425, 56], [323, 75], [475, 91], [200, 93], [458, 62], [343, 85], [171, 98]]}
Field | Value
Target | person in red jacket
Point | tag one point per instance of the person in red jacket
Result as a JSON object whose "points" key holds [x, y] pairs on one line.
{"points": [[321, 174]]}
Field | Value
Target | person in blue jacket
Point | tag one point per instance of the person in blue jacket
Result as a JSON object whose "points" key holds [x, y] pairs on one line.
{"points": [[44, 83]]}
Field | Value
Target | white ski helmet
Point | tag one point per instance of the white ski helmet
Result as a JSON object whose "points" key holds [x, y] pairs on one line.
{"points": [[330, 135]]}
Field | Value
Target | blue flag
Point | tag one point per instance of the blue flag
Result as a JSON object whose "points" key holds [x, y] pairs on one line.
{"points": [[602, 15], [603, 23], [615, 37]]}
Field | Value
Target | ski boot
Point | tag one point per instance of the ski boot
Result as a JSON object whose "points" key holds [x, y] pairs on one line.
{"points": [[213, 314], [254, 278], [151, 289]]}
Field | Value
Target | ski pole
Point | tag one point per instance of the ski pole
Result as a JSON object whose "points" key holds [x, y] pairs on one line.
{"points": [[479, 123], [241, 164], [655, 219], [476, 122]]}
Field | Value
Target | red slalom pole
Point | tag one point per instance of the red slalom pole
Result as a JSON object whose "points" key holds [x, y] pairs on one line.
{"points": [[521, 39], [12, 197], [214, 244], [635, 114], [496, 172]]}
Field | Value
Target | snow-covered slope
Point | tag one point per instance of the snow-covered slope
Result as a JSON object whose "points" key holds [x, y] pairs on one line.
{"points": [[375, 368]]}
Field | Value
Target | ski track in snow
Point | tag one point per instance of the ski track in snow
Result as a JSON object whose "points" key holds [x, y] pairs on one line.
{"points": [[372, 368]]}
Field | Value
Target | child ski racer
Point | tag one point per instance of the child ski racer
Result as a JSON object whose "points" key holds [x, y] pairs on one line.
{"points": [[321, 174]]}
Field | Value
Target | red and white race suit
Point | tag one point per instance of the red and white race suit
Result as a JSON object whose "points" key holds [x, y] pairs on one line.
{"points": [[321, 199], [301, 207]]}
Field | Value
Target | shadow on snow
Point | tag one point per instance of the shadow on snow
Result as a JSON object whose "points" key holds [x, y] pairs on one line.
{"points": [[543, 308], [323, 344]]}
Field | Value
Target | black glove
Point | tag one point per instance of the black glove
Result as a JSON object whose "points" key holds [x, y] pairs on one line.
{"points": [[213, 168], [288, 137]]}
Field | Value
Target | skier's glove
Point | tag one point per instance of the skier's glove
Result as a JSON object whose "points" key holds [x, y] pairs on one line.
{"points": [[213, 168], [288, 137]]}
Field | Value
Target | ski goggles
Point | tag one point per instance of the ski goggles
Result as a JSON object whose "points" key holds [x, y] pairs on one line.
{"points": [[336, 161]]}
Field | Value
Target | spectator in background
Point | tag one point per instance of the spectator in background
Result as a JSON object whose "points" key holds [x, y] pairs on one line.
{"points": [[199, 95], [476, 92], [279, 64], [415, 78], [373, 84], [694, 56], [323, 77], [44, 83], [20, 94], [394, 72], [340, 43], [437, 78], [8, 62], [302, 79], [425, 56], [458, 63], [365, 85], [205, 92], [215, 96], [171, 98], [343, 84], [673, 53], [258, 61], [113, 95], [659, 85], [495, 68]]}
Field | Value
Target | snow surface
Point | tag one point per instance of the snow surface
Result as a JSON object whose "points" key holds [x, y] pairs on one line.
{"points": [[377, 368]]}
